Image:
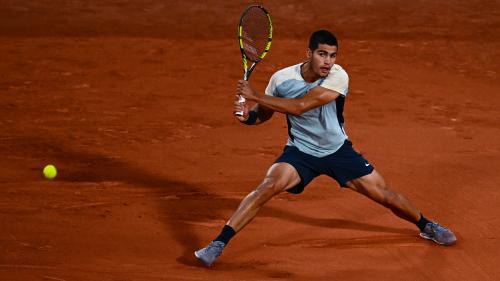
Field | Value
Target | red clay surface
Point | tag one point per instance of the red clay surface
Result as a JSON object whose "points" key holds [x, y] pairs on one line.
{"points": [[132, 101]]}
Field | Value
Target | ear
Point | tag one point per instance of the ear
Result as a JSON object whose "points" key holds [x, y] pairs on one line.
{"points": [[309, 54]]}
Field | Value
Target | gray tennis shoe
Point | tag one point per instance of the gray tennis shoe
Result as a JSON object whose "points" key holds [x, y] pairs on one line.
{"points": [[439, 234], [208, 254]]}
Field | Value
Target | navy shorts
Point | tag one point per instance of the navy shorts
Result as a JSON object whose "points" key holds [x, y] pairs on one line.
{"points": [[343, 165]]}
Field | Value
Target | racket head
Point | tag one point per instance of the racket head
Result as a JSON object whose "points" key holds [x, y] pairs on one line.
{"points": [[255, 33]]}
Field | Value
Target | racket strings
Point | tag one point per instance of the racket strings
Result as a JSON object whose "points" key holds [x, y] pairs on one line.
{"points": [[255, 33]]}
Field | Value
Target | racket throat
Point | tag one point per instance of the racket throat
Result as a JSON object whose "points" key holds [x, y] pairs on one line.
{"points": [[247, 72]]}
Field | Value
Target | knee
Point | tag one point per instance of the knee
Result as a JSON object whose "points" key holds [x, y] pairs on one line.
{"points": [[266, 188], [268, 185]]}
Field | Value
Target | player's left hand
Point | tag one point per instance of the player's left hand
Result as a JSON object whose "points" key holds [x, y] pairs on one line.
{"points": [[245, 90]]}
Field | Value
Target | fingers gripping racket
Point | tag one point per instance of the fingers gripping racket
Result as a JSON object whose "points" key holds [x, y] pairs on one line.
{"points": [[255, 33]]}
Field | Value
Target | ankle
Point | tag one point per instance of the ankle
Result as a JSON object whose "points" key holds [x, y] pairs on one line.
{"points": [[226, 234], [422, 222]]}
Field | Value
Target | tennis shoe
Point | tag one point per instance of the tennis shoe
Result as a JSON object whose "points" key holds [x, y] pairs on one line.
{"points": [[208, 254], [439, 234]]}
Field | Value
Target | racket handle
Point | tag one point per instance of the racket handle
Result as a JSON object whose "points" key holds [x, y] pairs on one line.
{"points": [[240, 100]]}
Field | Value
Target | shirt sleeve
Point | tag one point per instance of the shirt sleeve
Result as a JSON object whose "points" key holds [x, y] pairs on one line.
{"points": [[337, 81], [271, 87]]}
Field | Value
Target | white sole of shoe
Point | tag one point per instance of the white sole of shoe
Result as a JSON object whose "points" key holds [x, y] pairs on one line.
{"points": [[435, 241]]}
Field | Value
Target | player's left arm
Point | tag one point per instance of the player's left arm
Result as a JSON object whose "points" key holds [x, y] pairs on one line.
{"points": [[316, 97]]}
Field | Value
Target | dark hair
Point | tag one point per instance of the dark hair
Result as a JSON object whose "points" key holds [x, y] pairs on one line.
{"points": [[322, 37]]}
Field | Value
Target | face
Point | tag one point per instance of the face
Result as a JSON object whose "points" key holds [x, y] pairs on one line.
{"points": [[322, 59]]}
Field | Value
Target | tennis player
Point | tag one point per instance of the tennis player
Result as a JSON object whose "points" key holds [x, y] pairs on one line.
{"points": [[312, 95]]}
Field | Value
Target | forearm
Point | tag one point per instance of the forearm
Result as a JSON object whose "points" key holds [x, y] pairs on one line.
{"points": [[314, 98], [283, 105]]}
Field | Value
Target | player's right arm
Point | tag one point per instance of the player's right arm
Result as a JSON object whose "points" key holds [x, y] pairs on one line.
{"points": [[258, 112]]}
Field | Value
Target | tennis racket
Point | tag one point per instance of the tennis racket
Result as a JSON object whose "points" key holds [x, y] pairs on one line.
{"points": [[255, 33]]}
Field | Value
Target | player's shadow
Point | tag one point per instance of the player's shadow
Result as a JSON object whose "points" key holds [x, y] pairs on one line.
{"points": [[188, 205], [332, 222]]}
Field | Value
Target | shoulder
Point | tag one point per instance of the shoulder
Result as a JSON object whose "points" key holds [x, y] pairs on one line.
{"points": [[283, 77], [337, 80], [338, 71], [286, 73], [337, 75]]}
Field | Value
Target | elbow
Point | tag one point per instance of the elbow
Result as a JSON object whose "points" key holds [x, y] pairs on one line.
{"points": [[298, 109]]}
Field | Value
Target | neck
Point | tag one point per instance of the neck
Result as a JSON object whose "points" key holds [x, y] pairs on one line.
{"points": [[307, 73]]}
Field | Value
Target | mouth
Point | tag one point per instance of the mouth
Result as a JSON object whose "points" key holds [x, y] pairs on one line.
{"points": [[324, 69]]}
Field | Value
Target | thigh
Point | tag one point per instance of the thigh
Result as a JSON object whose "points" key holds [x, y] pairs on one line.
{"points": [[306, 167], [372, 185], [282, 176]]}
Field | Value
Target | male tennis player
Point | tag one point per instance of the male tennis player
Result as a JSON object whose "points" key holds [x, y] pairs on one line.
{"points": [[312, 95]]}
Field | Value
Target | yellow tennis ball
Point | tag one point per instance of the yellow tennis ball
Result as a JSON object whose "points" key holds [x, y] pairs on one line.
{"points": [[50, 171]]}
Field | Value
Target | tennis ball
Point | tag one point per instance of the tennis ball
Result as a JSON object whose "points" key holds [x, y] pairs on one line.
{"points": [[50, 172]]}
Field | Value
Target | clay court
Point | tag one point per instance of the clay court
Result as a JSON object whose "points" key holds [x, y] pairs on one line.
{"points": [[132, 101]]}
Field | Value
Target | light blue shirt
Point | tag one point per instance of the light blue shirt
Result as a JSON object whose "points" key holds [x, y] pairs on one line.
{"points": [[319, 131]]}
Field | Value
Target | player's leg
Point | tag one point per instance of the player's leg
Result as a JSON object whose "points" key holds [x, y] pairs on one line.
{"points": [[351, 169], [374, 187], [279, 177]]}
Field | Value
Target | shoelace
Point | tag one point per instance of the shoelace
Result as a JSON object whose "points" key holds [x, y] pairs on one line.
{"points": [[215, 248], [437, 228]]}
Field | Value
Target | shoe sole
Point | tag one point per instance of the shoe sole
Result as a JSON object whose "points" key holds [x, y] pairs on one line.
{"points": [[435, 241], [200, 259]]}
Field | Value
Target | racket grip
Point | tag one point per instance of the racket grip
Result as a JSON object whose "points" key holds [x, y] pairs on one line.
{"points": [[240, 100]]}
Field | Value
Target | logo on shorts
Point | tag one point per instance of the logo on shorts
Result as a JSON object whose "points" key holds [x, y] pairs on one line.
{"points": [[367, 164]]}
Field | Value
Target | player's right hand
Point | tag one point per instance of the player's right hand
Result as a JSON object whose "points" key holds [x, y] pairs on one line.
{"points": [[238, 107]]}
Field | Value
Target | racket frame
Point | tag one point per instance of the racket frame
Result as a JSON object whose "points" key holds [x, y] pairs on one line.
{"points": [[248, 71]]}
